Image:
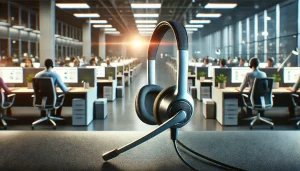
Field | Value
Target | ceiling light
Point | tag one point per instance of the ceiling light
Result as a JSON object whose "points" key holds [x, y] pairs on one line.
{"points": [[110, 29], [146, 29], [18, 27], [199, 21], [150, 5], [98, 21], [112, 32], [146, 21], [265, 33], [72, 5], [208, 15], [194, 26], [191, 29], [102, 26], [145, 15], [220, 5], [86, 15], [145, 26], [146, 32], [268, 18]]}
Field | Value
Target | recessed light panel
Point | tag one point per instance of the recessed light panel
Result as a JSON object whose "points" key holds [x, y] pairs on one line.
{"points": [[86, 15], [220, 5], [144, 5], [208, 15], [145, 15], [72, 5]]}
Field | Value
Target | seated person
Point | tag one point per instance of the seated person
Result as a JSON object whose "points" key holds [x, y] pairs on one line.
{"points": [[223, 63], [270, 63], [76, 62], [56, 81], [293, 89], [92, 62], [28, 63], [250, 77], [242, 62], [205, 62], [7, 91]]}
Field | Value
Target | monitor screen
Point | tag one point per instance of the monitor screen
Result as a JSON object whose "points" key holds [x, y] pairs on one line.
{"points": [[291, 74], [211, 70], [67, 74], [100, 71], [238, 74], [11, 74]]}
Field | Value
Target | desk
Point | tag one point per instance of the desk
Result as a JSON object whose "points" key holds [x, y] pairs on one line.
{"points": [[120, 80], [127, 77], [203, 89], [229, 99], [24, 99], [81, 150], [110, 83], [191, 80]]}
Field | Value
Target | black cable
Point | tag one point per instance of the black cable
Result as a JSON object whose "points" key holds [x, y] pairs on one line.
{"points": [[226, 166], [179, 155]]}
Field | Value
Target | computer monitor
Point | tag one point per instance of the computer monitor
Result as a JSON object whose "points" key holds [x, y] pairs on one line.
{"points": [[67, 74], [211, 70], [11, 74], [291, 74], [100, 71], [238, 74], [36, 64]]}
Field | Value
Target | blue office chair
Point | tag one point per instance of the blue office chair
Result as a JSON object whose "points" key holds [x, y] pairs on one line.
{"points": [[5, 103], [261, 99], [45, 99], [295, 97]]}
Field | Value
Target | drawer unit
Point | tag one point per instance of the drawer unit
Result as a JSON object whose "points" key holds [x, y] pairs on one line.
{"points": [[230, 111], [78, 112]]}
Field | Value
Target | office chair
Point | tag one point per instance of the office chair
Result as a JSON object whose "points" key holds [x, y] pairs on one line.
{"points": [[261, 99], [295, 97], [6, 102], [45, 99]]}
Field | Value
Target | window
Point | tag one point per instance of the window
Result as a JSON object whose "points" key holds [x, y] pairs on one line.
{"points": [[271, 20], [252, 30], [288, 19], [14, 15], [287, 44], [3, 47], [33, 49], [24, 18], [24, 52], [3, 12], [59, 28], [15, 48], [261, 27], [33, 24]]}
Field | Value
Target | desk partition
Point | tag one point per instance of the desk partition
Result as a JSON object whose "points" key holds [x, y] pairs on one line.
{"points": [[202, 69]]}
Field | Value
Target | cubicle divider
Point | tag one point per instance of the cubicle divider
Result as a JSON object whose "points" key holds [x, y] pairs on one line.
{"points": [[270, 73], [111, 71]]}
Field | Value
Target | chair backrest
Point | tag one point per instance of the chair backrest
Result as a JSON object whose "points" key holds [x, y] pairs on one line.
{"points": [[2, 98], [261, 94], [44, 87]]}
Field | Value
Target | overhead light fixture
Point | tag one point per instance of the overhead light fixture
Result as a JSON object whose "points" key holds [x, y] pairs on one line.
{"points": [[268, 18], [145, 15], [86, 15], [220, 5], [102, 26], [191, 29], [144, 5], [146, 26], [199, 21], [18, 27], [112, 32], [208, 15], [146, 32], [98, 21], [264, 33], [146, 21], [110, 29], [194, 26], [146, 29], [72, 5], [218, 52]]}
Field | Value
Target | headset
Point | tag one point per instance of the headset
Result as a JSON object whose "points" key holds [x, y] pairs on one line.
{"points": [[170, 107]]}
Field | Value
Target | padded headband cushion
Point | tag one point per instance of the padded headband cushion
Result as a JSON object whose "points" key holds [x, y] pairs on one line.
{"points": [[159, 32], [144, 103]]}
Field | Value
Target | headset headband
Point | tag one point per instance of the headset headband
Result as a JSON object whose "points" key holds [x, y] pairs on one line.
{"points": [[182, 53]]}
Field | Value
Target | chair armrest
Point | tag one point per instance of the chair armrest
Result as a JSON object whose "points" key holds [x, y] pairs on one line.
{"points": [[11, 98], [244, 97], [62, 99], [294, 96]]}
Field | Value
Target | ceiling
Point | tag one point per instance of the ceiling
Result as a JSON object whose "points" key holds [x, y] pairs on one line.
{"points": [[119, 13]]}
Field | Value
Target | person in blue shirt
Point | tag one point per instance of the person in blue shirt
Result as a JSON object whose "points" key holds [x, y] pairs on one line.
{"points": [[57, 81]]}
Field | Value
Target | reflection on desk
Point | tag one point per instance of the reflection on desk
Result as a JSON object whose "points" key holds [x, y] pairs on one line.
{"points": [[73, 90], [246, 90]]}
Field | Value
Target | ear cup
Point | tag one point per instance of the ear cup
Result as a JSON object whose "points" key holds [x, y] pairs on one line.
{"points": [[166, 105], [144, 102]]}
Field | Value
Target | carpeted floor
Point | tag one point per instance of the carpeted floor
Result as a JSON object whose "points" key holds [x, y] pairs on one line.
{"points": [[74, 150]]}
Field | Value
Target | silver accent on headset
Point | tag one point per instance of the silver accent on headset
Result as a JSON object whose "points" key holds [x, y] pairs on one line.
{"points": [[182, 73], [151, 72]]}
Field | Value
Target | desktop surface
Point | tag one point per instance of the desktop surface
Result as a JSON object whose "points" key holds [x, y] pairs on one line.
{"points": [[58, 90], [67, 150], [234, 90]]}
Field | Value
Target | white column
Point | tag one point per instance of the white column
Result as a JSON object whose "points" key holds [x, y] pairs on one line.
{"points": [[278, 31], [298, 30], [248, 37], [240, 37], [87, 40], [102, 50], [265, 36], [47, 29], [190, 37], [255, 35]]}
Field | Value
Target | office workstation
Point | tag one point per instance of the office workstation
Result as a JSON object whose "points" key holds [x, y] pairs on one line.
{"points": [[183, 85]]}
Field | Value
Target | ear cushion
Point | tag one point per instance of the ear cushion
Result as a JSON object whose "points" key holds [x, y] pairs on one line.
{"points": [[144, 102], [160, 96]]}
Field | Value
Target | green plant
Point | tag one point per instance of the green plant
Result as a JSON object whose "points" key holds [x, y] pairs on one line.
{"points": [[120, 69], [201, 74], [29, 78], [190, 70], [110, 74], [126, 68], [277, 78], [221, 78], [86, 79]]}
